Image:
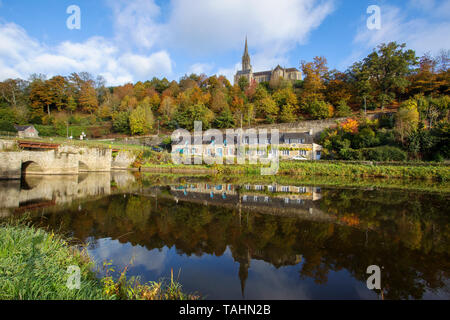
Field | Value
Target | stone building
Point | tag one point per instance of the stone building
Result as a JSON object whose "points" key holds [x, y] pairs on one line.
{"points": [[27, 131], [292, 74]]}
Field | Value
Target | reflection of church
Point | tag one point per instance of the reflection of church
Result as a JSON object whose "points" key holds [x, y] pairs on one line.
{"points": [[243, 255], [292, 74]]}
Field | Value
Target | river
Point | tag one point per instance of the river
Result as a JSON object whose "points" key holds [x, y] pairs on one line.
{"points": [[248, 240]]}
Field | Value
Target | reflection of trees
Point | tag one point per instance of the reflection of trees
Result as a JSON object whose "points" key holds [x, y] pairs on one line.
{"points": [[408, 238]]}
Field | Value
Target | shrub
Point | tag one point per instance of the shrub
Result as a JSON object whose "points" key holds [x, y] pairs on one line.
{"points": [[343, 110], [319, 109], [350, 154], [121, 122], [384, 153]]}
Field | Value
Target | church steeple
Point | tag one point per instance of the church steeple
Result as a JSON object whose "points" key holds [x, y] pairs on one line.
{"points": [[246, 66]]}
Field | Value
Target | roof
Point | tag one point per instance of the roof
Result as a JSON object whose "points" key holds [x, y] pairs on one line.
{"points": [[23, 128], [292, 70], [245, 72], [262, 73], [234, 138], [297, 135]]}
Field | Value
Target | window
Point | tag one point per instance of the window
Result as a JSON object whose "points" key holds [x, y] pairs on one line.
{"points": [[285, 152], [302, 152], [285, 189]]}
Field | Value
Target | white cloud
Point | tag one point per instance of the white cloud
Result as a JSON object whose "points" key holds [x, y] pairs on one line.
{"points": [[199, 68], [134, 22], [422, 34], [141, 43], [208, 27], [20, 56], [215, 25]]}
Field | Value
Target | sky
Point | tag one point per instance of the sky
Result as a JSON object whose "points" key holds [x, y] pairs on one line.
{"points": [[136, 40]]}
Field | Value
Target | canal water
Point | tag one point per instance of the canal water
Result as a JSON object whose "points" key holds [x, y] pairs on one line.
{"points": [[249, 240]]}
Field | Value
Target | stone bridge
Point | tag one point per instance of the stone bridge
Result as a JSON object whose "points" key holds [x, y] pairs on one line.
{"points": [[66, 160]]}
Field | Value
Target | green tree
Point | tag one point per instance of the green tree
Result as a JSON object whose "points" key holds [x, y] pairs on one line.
{"points": [[198, 112], [225, 119], [287, 113], [267, 109], [121, 122], [389, 67], [343, 110], [407, 119], [141, 119], [319, 109]]}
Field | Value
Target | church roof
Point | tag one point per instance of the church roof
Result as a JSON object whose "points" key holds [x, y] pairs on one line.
{"points": [[292, 70], [262, 73]]}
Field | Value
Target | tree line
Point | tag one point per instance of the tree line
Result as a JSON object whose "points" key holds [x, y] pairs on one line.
{"points": [[388, 76]]}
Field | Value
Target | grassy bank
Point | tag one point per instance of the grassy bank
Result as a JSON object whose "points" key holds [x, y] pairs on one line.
{"points": [[34, 264], [319, 168]]}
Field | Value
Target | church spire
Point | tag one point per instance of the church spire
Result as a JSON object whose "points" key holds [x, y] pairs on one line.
{"points": [[246, 66], [246, 47]]}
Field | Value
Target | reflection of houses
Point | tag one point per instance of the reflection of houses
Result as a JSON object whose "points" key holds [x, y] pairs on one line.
{"points": [[290, 145], [254, 193], [272, 199]]}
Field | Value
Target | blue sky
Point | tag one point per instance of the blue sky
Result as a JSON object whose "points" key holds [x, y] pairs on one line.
{"points": [[131, 40]]}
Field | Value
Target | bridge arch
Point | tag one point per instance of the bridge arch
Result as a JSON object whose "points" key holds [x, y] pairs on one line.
{"points": [[31, 167]]}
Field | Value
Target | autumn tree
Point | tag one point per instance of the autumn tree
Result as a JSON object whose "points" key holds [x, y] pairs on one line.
{"points": [[314, 82], [388, 66], [88, 97], [406, 120], [141, 119]]}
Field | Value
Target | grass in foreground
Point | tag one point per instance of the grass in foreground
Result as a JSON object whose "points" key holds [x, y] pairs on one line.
{"points": [[34, 264]]}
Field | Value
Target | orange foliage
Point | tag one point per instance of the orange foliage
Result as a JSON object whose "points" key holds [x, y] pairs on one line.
{"points": [[351, 126]]}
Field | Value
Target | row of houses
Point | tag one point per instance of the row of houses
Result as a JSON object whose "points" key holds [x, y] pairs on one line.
{"points": [[297, 145]]}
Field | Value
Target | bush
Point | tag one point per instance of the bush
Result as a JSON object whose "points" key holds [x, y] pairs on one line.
{"points": [[343, 110], [319, 110], [350, 154], [384, 153], [121, 122]]}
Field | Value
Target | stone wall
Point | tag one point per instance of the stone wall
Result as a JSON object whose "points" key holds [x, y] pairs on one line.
{"points": [[123, 160], [317, 126], [7, 144]]}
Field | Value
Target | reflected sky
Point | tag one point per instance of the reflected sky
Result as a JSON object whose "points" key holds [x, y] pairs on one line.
{"points": [[261, 241]]}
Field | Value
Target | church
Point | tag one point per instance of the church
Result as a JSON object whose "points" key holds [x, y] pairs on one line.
{"points": [[292, 74]]}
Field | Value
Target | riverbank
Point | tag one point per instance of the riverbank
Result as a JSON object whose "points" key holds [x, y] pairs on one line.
{"points": [[410, 171], [34, 266]]}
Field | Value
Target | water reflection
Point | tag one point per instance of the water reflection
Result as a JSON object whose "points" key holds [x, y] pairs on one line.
{"points": [[34, 192], [255, 241]]}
